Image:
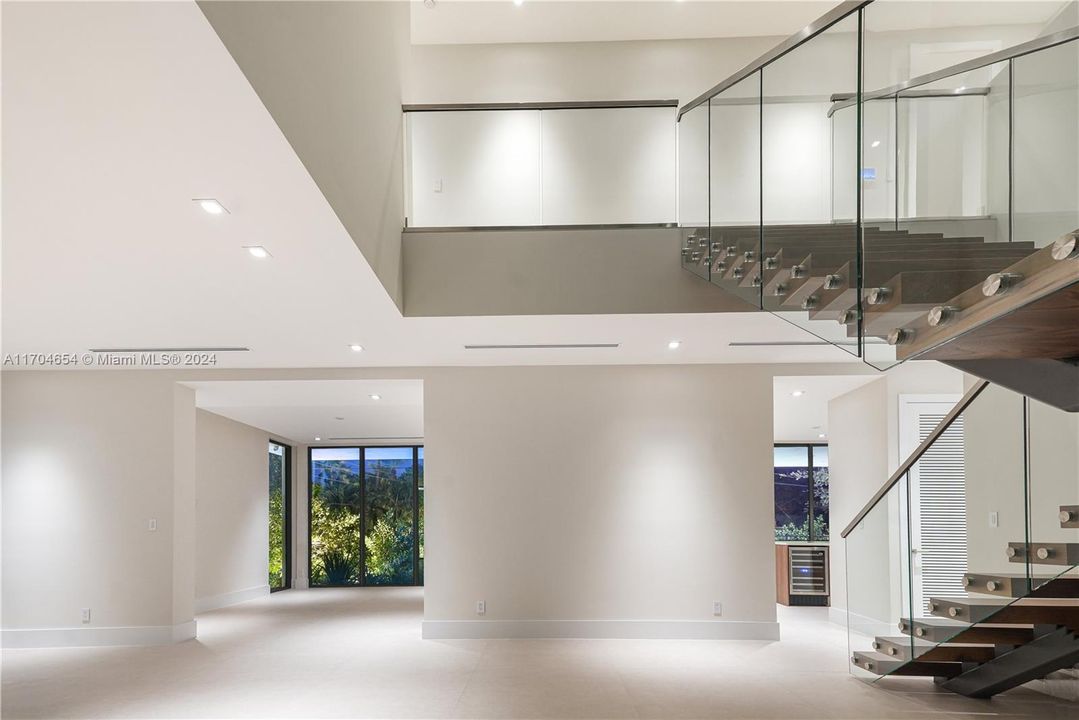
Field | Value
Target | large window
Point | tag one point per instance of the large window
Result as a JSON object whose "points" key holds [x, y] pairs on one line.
{"points": [[801, 492], [280, 566], [366, 508]]}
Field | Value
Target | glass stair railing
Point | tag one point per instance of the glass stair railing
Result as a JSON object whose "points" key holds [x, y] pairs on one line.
{"points": [[963, 568], [936, 218]]}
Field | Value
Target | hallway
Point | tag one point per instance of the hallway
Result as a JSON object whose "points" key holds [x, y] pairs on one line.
{"points": [[357, 653]]}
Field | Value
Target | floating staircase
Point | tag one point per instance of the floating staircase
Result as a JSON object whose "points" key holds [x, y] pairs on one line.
{"points": [[1008, 629], [933, 297]]}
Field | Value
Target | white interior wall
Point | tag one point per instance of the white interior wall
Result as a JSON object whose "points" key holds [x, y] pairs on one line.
{"points": [[864, 450], [475, 168], [629, 485], [797, 162], [575, 72], [693, 168], [998, 483], [734, 156], [1045, 182], [857, 459], [608, 166], [550, 167], [600, 501], [232, 511], [87, 464]]}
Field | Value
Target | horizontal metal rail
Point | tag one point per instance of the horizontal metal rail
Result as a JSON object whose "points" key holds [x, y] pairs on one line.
{"points": [[847, 100], [906, 89], [825, 21], [907, 464], [568, 105], [516, 228]]}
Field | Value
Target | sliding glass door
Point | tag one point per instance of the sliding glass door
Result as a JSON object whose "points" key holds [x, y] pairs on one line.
{"points": [[280, 525], [365, 516]]}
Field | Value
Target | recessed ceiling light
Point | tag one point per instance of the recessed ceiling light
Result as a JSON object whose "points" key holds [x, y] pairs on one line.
{"points": [[376, 396], [355, 347], [674, 344], [798, 393], [338, 417], [257, 251], [518, 3], [875, 143], [318, 439], [821, 435], [961, 88], [212, 206]]}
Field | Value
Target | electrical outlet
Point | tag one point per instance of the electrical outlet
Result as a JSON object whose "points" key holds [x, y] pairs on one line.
{"points": [[717, 607], [994, 519], [86, 615], [481, 607], [438, 185], [152, 525]]}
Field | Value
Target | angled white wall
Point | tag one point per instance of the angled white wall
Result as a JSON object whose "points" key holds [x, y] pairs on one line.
{"points": [[232, 511]]}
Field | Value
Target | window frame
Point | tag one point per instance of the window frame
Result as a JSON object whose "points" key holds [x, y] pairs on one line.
{"points": [[363, 513], [809, 486], [286, 506]]}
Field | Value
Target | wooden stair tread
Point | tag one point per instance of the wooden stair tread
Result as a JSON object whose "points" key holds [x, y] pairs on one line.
{"points": [[884, 665], [1037, 318]]}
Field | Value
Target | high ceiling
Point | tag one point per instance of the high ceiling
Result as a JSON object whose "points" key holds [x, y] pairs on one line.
{"points": [[117, 117], [502, 21]]}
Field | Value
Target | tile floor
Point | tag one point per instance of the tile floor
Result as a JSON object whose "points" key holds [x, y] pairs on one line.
{"points": [[358, 653]]}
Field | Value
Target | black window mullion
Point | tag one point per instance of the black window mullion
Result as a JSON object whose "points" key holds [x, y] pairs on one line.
{"points": [[415, 515], [362, 576], [812, 515], [310, 481], [287, 509]]}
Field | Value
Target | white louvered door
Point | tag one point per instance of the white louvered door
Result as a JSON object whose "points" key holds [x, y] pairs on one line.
{"points": [[938, 502]]}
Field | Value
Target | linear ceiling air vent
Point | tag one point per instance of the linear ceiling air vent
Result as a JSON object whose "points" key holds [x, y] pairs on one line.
{"points": [[544, 346], [368, 439], [803, 343], [170, 349]]}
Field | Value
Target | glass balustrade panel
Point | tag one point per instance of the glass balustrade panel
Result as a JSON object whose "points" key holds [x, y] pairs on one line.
{"points": [[807, 268], [693, 189], [735, 188]]}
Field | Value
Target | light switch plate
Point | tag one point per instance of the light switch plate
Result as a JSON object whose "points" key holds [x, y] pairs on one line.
{"points": [[152, 525], [994, 519]]}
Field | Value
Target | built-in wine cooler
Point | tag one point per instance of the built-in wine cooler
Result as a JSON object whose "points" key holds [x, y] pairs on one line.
{"points": [[802, 574]]}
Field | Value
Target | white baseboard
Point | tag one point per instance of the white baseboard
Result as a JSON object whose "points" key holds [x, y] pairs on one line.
{"points": [[98, 636], [628, 629], [213, 602]]}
